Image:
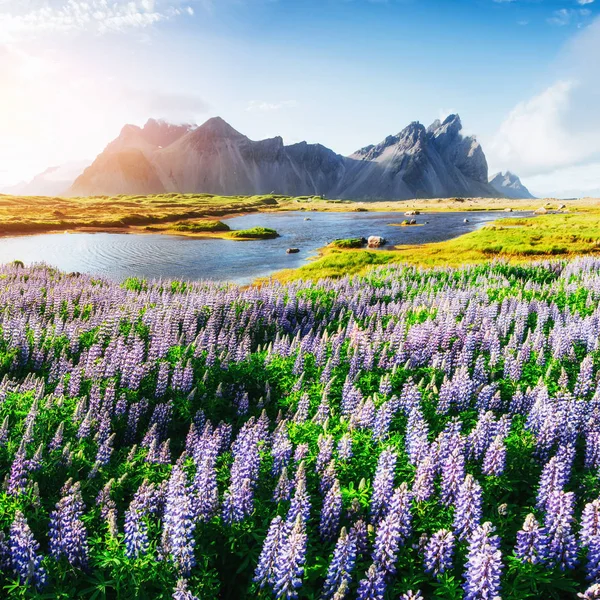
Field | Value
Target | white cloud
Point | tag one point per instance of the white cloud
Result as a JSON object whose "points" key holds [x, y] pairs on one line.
{"points": [[584, 2], [566, 16], [558, 128], [569, 182], [20, 19], [254, 105]]}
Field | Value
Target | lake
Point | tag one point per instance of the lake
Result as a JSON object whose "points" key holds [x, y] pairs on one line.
{"points": [[119, 255]]}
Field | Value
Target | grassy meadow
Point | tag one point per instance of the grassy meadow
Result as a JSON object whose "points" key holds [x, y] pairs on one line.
{"points": [[517, 240]]}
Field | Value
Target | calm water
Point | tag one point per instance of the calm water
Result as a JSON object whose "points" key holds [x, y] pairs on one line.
{"points": [[172, 257]]}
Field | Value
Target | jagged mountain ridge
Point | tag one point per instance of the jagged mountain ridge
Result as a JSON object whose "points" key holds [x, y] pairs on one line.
{"points": [[215, 158], [508, 185]]}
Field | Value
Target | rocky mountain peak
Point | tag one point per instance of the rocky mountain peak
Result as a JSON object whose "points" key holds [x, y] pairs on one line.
{"points": [[431, 162], [509, 185]]}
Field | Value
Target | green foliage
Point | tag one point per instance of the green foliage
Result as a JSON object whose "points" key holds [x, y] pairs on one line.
{"points": [[255, 233], [201, 226], [346, 244]]}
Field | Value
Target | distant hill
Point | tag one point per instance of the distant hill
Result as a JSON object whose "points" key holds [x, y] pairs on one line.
{"points": [[508, 185], [215, 158], [54, 181]]}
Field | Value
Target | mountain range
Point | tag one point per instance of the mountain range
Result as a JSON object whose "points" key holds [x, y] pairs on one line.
{"points": [[418, 162], [510, 186]]}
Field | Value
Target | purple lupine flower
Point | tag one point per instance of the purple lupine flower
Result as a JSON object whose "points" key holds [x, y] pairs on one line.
{"points": [[136, 526], [372, 587], [289, 562], [265, 569], [300, 504], [383, 484], [328, 476], [555, 476], [423, 486], [530, 541], [484, 565], [393, 530], [439, 552], [468, 508], [301, 452], [359, 532], [281, 449], [25, 559], [592, 566], [592, 593], [344, 447], [383, 419], [67, 533], [181, 591], [590, 538], [179, 525], [238, 501], [342, 564], [410, 595], [590, 522], [284, 487], [325, 444], [494, 461], [453, 474], [17, 479], [560, 548], [4, 432], [331, 512], [302, 411]]}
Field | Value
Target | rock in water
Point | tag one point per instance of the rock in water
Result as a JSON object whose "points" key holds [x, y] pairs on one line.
{"points": [[375, 241], [293, 250]]}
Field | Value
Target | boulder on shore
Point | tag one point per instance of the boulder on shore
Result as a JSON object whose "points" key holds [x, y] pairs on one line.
{"points": [[542, 210], [375, 241], [411, 213]]}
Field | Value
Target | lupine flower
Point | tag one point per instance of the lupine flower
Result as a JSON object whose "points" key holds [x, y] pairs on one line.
{"points": [[181, 591], [265, 569], [25, 559], [560, 546], [331, 512], [383, 484], [373, 586], [178, 529], [393, 530], [468, 508], [342, 564], [410, 595], [300, 504], [68, 536], [344, 447], [289, 562], [530, 541], [495, 458], [592, 593], [438, 552], [484, 565], [136, 527]]}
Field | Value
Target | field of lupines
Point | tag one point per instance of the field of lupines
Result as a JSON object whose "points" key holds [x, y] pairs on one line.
{"points": [[410, 434]]}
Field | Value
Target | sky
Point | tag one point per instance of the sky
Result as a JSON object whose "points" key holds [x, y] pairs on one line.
{"points": [[524, 75]]}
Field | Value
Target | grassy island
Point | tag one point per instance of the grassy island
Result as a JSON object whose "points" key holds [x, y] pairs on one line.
{"points": [[255, 233]]}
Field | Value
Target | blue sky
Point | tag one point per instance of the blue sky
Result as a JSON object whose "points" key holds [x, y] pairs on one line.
{"points": [[522, 74]]}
